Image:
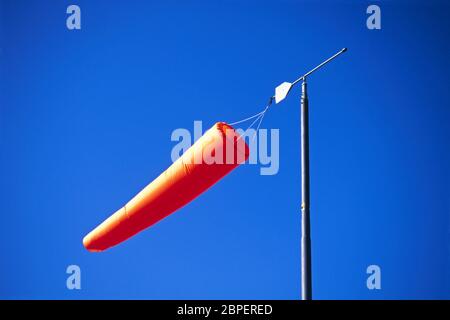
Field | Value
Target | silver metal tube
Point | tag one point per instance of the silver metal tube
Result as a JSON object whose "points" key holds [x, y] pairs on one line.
{"points": [[306, 238], [319, 66], [306, 271]]}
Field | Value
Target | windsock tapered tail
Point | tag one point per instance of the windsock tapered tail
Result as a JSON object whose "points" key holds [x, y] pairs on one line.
{"points": [[213, 156]]}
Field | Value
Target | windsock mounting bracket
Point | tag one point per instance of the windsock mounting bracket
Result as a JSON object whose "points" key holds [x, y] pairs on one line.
{"points": [[283, 89]]}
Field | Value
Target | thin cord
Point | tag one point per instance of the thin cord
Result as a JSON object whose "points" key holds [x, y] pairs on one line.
{"points": [[256, 115], [260, 121], [243, 134], [260, 118], [246, 119], [262, 115]]}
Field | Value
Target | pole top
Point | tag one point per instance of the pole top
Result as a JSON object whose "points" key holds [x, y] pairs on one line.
{"points": [[283, 89]]}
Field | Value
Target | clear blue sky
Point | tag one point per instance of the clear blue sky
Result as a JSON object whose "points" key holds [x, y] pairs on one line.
{"points": [[86, 118]]}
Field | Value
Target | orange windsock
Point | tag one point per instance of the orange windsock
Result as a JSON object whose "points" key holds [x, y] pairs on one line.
{"points": [[214, 155]]}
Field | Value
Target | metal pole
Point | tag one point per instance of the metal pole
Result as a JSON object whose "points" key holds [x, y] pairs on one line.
{"points": [[306, 238], [303, 77], [280, 94]]}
